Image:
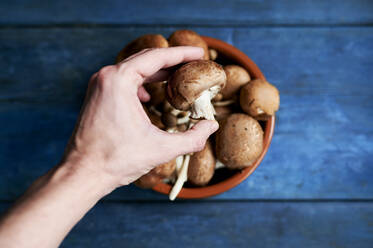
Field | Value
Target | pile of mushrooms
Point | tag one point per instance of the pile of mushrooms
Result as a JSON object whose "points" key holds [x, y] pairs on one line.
{"points": [[204, 89]]}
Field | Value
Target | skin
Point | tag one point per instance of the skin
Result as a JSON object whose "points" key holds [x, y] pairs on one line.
{"points": [[188, 38], [113, 144]]}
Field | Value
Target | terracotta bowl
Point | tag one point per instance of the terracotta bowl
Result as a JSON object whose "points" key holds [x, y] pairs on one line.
{"points": [[231, 178]]}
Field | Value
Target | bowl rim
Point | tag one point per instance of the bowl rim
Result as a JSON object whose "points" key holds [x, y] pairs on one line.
{"points": [[223, 186]]}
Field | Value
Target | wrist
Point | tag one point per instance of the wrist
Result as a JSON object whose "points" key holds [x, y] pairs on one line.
{"points": [[83, 174]]}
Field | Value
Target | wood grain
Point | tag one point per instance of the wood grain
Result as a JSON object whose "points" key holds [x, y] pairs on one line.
{"points": [[226, 224], [236, 12], [322, 147]]}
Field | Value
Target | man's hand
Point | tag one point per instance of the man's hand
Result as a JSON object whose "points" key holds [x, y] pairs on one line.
{"points": [[113, 144], [114, 136]]}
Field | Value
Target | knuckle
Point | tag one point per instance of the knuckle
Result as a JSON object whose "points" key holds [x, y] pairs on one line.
{"points": [[103, 75], [104, 72]]}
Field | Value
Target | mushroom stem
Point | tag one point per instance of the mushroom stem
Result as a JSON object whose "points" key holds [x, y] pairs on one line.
{"points": [[182, 178], [223, 103], [202, 107], [154, 111], [179, 164], [219, 165], [183, 120]]}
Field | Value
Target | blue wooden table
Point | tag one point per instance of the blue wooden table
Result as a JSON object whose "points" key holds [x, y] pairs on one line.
{"points": [[314, 187]]}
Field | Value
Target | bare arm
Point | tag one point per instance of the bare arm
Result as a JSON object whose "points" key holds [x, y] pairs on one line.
{"points": [[113, 144]]}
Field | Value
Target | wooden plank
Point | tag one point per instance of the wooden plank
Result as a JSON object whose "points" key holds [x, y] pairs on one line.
{"points": [[237, 12], [322, 146], [226, 224]]}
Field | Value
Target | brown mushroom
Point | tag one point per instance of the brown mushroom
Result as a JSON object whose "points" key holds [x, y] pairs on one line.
{"points": [[237, 76], [188, 38], [148, 180], [157, 92], [218, 97], [182, 127], [259, 99], [165, 170], [193, 86], [239, 141], [213, 54], [154, 118], [143, 42], [222, 112], [201, 166]]}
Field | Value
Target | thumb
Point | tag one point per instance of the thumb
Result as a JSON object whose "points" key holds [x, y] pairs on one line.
{"points": [[194, 139]]}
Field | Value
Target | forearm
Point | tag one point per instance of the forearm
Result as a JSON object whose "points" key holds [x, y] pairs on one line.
{"points": [[44, 215]]}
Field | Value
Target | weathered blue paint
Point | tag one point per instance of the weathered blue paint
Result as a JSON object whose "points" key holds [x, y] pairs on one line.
{"points": [[226, 224], [323, 144], [207, 12], [318, 53]]}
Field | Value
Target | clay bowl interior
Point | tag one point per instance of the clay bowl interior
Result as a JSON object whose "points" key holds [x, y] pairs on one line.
{"points": [[225, 179]]}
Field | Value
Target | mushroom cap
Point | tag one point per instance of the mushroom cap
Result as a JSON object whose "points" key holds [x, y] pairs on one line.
{"points": [[239, 141], [148, 180], [165, 170], [143, 42], [188, 38], [201, 166], [259, 99], [222, 112], [237, 76], [157, 92], [190, 80]]}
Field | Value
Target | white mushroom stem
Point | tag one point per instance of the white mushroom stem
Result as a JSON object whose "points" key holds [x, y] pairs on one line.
{"points": [[154, 111], [219, 165], [175, 112], [182, 178], [179, 164], [202, 107], [171, 130], [223, 103], [184, 119], [259, 111]]}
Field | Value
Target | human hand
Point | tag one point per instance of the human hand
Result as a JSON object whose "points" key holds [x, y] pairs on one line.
{"points": [[114, 137]]}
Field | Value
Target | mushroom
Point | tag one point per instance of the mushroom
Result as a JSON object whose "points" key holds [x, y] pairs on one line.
{"points": [[181, 179], [239, 141], [148, 180], [237, 76], [193, 86], [213, 54], [259, 99], [201, 166], [218, 97], [157, 92], [182, 127], [165, 170], [188, 38], [171, 120], [222, 112], [154, 118], [143, 42]]}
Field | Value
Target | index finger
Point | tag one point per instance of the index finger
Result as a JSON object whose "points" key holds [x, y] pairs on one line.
{"points": [[150, 62]]}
